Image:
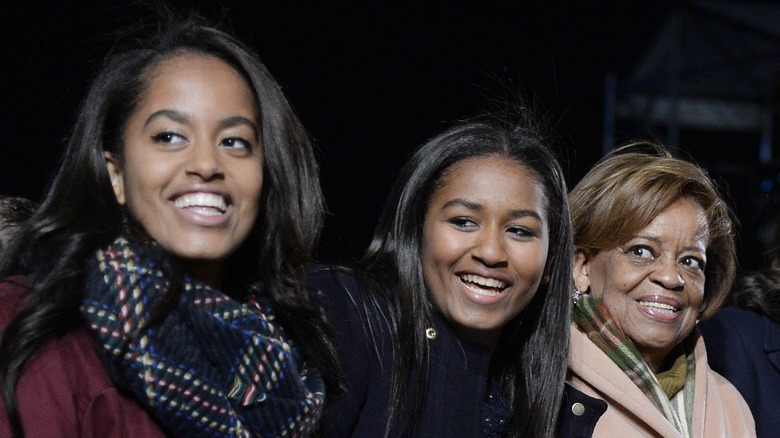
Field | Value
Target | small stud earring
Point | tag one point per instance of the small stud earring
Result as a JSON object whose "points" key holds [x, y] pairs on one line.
{"points": [[576, 295]]}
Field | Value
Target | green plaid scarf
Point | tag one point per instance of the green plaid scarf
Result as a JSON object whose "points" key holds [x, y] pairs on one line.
{"points": [[592, 318], [212, 367]]}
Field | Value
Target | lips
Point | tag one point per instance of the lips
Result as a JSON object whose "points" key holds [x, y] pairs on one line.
{"points": [[659, 308], [483, 285], [207, 204]]}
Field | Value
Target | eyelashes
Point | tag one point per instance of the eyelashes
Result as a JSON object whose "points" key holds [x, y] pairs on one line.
{"points": [[168, 137], [470, 224], [236, 143]]}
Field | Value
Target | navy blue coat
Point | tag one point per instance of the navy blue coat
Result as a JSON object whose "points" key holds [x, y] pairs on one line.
{"points": [[457, 375], [744, 347], [457, 385]]}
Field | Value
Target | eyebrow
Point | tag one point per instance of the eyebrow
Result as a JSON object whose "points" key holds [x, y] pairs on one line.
{"points": [[239, 120], [183, 118], [176, 116], [657, 241], [515, 214]]}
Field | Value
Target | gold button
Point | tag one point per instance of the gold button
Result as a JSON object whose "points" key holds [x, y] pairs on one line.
{"points": [[430, 333], [577, 409]]}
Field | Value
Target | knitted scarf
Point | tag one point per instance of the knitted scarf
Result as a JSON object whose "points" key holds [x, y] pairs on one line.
{"points": [[592, 318], [212, 366]]}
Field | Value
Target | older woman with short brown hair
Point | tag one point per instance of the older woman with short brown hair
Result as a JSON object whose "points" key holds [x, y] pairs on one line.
{"points": [[649, 229]]}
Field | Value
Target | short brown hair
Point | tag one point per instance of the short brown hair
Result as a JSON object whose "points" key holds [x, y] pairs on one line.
{"points": [[627, 189]]}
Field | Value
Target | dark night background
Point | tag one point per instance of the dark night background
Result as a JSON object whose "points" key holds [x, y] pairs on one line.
{"points": [[371, 81]]}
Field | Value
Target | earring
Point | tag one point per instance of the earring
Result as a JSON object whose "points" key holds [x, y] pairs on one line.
{"points": [[576, 295]]}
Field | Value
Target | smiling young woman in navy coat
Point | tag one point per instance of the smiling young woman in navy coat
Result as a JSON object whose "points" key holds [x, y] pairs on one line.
{"points": [[459, 324]]}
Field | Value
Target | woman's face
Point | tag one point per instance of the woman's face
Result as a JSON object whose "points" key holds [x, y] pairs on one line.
{"points": [[485, 241], [191, 172], [653, 284]]}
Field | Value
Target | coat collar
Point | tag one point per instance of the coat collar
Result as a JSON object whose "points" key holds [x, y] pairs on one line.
{"points": [[592, 367]]}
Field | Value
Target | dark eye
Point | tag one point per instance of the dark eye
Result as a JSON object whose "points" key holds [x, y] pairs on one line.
{"points": [[521, 232], [463, 223], [168, 137], [641, 252], [236, 143], [693, 263]]}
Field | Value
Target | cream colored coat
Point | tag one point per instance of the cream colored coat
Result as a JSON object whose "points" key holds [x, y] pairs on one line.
{"points": [[719, 410]]}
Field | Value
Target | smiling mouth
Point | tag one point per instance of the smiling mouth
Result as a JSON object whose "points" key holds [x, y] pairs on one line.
{"points": [[659, 307], [482, 285], [207, 204]]}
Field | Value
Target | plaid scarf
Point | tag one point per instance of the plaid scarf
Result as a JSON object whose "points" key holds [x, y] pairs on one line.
{"points": [[592, 318], [212, 366]]}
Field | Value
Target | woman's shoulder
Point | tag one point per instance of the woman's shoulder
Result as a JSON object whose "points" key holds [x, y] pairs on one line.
{"points": [[64, 390], [340, 289], [67, 384], [732, 325], [331, 279], [726, 405], [13, 296], [735, 316], [362, 339]]}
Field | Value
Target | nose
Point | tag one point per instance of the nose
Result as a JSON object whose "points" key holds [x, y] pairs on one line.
{"points": [[489, 248], [667, 274], [204, 161]]}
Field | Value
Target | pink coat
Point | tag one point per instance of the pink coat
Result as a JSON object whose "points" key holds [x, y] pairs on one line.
{"points": [[719, 410]]}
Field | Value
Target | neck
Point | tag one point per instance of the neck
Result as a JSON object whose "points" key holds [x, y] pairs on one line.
{"points": [[656, 360], [207, 271]]}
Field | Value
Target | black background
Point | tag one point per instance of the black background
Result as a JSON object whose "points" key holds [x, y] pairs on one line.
{"points": [[371, 81]]}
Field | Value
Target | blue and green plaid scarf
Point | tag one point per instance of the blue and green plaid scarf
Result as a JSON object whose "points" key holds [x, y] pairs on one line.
{"points": [[212, 367]]}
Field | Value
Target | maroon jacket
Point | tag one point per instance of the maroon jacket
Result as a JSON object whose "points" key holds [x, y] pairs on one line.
{"points": [[65, 391]]}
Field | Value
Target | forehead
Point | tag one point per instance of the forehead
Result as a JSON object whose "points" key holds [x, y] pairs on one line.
{"points": [[190, 78], [491, 178], [684, 220]]}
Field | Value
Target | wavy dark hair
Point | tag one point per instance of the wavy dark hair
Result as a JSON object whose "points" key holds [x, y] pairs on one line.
{"points": [[14, 212], [80, 212], [530, 359], [759, 291]]}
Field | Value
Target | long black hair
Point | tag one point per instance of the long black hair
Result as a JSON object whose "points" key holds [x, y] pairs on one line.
{"points": [[80, 213], [530, 359]]}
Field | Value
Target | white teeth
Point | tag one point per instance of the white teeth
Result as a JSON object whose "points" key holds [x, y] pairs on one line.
{"points": [[475, 283], [664, 308], [482, 281], [207, 200]]}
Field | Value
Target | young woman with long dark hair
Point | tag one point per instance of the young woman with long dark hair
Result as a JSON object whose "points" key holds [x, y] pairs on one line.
{"points": [[458, 322], [160, 288]]}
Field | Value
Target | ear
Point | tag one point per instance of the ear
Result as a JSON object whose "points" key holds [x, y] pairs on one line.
{"points": [[117, 178], [581, 272]]}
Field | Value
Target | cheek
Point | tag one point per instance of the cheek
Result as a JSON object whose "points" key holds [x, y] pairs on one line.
{"points": [[428, 254], [530, 262], [253, 192], [437, 253], [696, 296], [141, 187], [622, 280], [599, 281]]}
